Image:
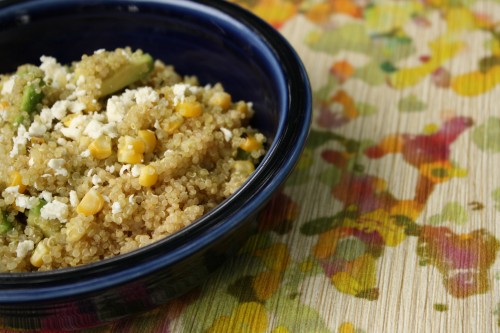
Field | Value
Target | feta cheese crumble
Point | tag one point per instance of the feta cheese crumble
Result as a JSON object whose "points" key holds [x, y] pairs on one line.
{"points": [[57, 164], [54, 210], [24, 247]]}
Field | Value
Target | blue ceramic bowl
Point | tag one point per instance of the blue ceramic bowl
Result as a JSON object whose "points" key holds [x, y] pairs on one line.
{"points": [[216, 41]]}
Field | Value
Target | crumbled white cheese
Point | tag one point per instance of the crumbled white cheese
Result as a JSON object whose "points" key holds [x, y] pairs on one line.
{"points": [[8, 85], [54, 73], [74, 131], [24, 247], [46, 195], [131, 199], [60, 109], [19, 141], [46, 117], [85, 153], [96, 180], [54, 210], [110, 168], [12, 189], [118, 106], [115, 109], [73, 198], [96, 128], [116, 208], [136, 170], [77, 107], [25, 201], [179, 91], [57, 164], [146, 96], [61, 141], [37, 129], [227, 134]]}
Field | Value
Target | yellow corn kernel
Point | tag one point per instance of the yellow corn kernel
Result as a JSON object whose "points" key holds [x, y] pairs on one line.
{"points": [[250, 144], [172, 123], [130, 143], [91, 203], [101, 148], [243, 167], [4, 104], [68, 119], [130, 150], [75, 230], [220, 99], [148, 176], [189, 109], [129, 157], [40, 250], [149, 139], [17, 180], [35, 140]]}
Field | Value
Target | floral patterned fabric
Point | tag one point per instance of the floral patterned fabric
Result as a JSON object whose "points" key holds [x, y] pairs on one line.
{"points": [[399, 232]]}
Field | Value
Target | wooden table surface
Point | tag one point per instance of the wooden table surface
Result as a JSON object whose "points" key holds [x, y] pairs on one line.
{"points": [[390, 222]]}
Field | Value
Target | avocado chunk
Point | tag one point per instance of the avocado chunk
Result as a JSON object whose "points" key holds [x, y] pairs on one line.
{"points": [[32, 96], [139, 66], [35, 219], [5, 224], [30, 78]]}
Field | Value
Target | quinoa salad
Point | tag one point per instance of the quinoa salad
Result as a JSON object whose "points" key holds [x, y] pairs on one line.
{"points": [[111, 153]]}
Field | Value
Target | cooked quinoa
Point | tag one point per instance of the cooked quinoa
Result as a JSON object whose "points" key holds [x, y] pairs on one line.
{"points": [[112, 153]]}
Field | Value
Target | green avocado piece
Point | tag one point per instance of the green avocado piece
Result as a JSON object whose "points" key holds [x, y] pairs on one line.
{"points": [[35, 219], [32, 96], [5, 225], [139, 66]]}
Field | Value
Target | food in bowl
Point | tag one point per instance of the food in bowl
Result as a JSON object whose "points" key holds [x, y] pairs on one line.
{"points": [[112, 153]]}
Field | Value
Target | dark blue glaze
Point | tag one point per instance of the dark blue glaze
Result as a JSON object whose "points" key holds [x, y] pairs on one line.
{"points": [[212, 39]]}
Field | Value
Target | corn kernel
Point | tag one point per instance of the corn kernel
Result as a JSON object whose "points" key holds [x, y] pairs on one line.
{"points": [[4, 104], [130, 150], [68, 119], [91, 203], [17, 180], [75, 230], [40, 250], [148, 176], [172, 123], [189, 109], [36, 140], [220, 99], [101, 148], [149, 139], [243, 167], [130, 143], [250, 144], [129, 157]]}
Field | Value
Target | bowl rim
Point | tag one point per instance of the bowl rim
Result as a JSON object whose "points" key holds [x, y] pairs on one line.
{"points": [[71, 281]]}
